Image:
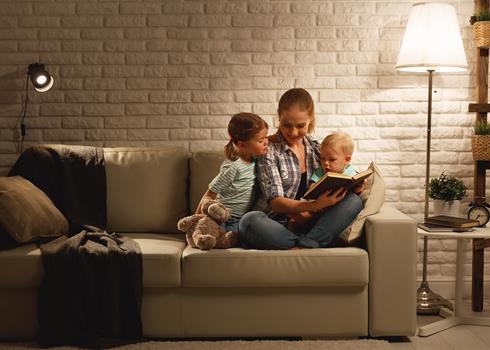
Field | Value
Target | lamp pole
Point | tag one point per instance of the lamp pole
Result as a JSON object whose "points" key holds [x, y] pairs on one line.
{"points": [[428, 302], [427, 153]]}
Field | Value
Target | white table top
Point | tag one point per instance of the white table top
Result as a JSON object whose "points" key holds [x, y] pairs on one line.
{"points": [[479, 232]]}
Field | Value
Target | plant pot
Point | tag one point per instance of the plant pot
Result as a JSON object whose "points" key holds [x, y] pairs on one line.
{"points": [[482, 33], [449, 208], [480, 145]]}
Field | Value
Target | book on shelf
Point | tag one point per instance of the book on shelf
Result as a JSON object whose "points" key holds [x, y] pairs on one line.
{"points": [[438, 228], [332, 181], [451, 221]]}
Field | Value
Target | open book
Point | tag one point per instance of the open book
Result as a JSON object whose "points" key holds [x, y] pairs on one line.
{"points": [[332, 181]]}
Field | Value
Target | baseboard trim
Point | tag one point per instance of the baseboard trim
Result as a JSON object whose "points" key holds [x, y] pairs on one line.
{"points": [[446, 288]]}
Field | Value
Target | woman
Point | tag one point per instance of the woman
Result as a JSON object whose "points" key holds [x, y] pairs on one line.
{"points": [[283, 174]]}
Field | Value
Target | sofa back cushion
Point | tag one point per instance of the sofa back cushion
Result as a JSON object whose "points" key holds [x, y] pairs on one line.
{"points": [[203, 167], [146, 188]]}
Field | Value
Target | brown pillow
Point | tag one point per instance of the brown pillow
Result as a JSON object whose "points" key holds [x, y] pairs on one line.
{"points": [[372, 198], [26, 213]]}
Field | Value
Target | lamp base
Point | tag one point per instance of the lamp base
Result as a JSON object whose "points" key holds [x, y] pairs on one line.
{"points": [[430, 303]]}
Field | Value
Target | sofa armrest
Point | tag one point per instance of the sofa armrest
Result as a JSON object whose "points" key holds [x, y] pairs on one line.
{"points": [[391, 239]]}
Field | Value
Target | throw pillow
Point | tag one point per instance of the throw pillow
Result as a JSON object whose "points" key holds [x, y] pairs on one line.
{"points": [[372, 198], [26, 213]]}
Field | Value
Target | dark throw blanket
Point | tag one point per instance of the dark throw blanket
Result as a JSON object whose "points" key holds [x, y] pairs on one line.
{"points": [[73, 177], [91, 292]]}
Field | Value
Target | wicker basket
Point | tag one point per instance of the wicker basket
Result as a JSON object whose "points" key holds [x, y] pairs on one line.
{"points": [[480, 144], [482, 33]]}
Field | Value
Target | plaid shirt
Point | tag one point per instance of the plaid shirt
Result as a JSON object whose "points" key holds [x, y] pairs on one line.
{"points": [[279, 172]]}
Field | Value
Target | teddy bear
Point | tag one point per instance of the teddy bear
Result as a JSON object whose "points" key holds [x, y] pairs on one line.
{"points": [[203, 231]]}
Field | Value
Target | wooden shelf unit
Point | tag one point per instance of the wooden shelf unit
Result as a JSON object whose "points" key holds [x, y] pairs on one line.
{"points": [[482, 107]]}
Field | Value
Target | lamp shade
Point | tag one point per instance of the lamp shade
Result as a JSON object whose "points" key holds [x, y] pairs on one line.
{"points": [[432, 40], [40, 78]]}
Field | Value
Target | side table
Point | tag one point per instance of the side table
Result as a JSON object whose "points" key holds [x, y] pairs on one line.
{"points": [[458, 316]]}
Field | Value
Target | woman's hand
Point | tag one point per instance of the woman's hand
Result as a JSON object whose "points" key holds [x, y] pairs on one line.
{"points": [[359, 188], [327, 199]]}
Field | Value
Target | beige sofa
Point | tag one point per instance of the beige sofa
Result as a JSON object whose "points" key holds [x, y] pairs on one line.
{"points": [[236, 292]]}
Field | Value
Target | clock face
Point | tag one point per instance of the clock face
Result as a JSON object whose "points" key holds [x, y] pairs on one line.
{"points": [[480, 214]]}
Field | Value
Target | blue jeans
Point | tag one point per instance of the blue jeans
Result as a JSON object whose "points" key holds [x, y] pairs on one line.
{"points": [[258, 231], [231, 224]]}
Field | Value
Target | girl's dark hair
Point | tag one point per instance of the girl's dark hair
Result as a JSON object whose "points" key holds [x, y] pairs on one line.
{"points": [[242, 127], [301, 98]]}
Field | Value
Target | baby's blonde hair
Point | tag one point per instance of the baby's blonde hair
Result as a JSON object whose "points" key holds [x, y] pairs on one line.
{"points": [[339, 138]]}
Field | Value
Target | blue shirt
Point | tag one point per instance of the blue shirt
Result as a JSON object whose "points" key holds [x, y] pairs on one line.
{"points": [[319, 172]]}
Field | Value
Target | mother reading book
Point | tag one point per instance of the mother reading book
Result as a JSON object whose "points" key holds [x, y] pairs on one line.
{"points": [[283, 174]]}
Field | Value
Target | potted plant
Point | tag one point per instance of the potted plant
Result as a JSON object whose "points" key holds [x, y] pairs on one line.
{"points": [[481, 27], [447, 192], [480, 141]]}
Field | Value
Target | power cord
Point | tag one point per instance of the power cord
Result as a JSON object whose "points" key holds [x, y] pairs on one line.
{"points": [[22, 125]]}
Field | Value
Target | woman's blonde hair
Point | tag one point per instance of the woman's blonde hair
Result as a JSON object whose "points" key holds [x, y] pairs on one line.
{"points": [[242, 127], [301, 98]]}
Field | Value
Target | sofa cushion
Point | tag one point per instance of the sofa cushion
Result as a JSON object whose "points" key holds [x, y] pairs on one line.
{"points": [[26, 213], [162, 254], [372, 198], [203, 167], [146, 188], [22, 267], [238, 267]]}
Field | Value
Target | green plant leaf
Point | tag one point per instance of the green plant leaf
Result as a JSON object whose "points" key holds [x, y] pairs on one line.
{"points": [[446, 188], [482, 128], [481, 15]]}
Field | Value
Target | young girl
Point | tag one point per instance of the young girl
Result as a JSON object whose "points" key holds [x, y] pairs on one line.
{"points": [[233, 186]]}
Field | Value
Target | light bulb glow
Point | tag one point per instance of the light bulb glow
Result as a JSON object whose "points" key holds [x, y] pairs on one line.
{"points": [[41, 80]]}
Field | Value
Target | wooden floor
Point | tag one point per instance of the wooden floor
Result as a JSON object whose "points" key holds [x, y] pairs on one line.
{"points": [[457, 338]]}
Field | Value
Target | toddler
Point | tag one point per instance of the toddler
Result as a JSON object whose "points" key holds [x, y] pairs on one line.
{"points": [[335, 155]]}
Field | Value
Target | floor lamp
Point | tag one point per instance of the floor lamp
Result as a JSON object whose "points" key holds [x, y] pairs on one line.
{"points": [[431, 43]]}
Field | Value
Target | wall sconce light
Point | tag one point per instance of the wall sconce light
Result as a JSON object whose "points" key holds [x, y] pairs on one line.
{"points": [[42, 82], [40, 78]]}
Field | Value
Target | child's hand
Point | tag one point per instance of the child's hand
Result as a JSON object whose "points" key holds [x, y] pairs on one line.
{"points": [[359, 188]]}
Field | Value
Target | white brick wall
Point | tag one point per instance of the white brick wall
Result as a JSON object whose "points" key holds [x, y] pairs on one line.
{"points": [[173, 72]]}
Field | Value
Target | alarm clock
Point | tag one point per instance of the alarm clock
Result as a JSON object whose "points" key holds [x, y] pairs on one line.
{"points": [[479, 212]]}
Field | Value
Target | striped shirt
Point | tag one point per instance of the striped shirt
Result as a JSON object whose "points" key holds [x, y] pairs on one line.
{"points": [[234, 185], [279, 172]]}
